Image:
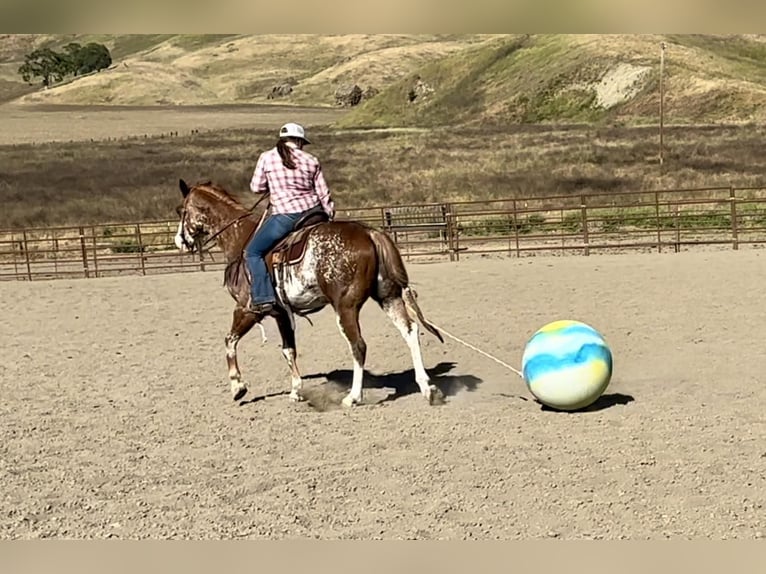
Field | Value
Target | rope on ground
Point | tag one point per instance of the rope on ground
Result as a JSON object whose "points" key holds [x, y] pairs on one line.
{"points": [[503, 363]]}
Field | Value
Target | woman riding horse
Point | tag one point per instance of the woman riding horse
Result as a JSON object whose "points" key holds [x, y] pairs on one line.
{"points": [[341, 264], [296, 185]]}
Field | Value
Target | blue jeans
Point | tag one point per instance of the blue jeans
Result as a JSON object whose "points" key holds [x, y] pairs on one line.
{"points": [[274, 228]]}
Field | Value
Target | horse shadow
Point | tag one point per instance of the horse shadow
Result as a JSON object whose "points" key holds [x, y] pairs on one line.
{"points": [[258, 398], [397, 384]]}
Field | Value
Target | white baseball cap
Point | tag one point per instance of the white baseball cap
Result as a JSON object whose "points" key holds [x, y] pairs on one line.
{"points": [[293, 130]]}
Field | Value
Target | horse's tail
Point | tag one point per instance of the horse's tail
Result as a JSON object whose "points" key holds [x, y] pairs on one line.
{"points": [[391, 265], [391, 268], [411, 301]]}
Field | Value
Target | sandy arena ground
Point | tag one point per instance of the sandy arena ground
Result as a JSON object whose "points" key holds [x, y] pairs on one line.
{"points": [[116, 418]]}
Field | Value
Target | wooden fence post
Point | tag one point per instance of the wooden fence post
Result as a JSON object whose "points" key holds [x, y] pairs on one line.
{"points": [[26, 255], [95, 249], [140, 244], [456, 233], [657, 221], [562, 231], [84, 253], [584, 214], [13, 254], [516, 228], [55, 254], [449, 219], [734, 225]]}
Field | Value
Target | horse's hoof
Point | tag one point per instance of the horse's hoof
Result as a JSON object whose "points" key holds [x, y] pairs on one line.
{"points": [[296, 398], [238, 392], [348, 402], [435, 396]]}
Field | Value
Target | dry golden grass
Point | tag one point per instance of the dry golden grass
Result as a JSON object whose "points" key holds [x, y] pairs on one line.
{"points": [[382, 66], [242, 69], [12, 46], [128, 180]]}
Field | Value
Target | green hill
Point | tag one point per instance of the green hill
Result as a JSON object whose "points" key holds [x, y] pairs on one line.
{"points": [[422, 80], [580, 78]]}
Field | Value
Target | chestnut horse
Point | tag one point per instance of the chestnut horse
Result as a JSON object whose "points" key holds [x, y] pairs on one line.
{"points": [[337, 263]]}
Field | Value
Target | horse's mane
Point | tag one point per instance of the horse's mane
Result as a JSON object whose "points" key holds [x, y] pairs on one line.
{"points": [[219, 193]]}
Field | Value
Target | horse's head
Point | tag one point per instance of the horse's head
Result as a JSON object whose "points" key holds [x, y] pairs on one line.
{"points": [[193, 224], [209, 212]]}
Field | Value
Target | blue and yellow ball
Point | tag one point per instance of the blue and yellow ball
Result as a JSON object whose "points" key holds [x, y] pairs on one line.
{"points": [[567, 365]]}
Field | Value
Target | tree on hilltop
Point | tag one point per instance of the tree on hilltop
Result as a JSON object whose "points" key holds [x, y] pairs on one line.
{"points": [[44, 63], [51, 66], [89, 58]]}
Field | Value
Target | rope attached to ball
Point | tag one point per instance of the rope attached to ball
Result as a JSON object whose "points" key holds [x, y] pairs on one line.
{"points": [[498, 361]]}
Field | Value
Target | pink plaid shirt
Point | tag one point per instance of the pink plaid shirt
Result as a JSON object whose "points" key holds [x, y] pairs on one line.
{"points": [[292, 190]]}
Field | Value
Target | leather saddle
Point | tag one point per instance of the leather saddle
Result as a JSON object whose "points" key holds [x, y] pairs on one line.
{"points": [[290, 250]]}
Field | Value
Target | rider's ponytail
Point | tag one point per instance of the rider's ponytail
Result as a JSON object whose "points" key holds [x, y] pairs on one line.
{"points": [[286, 154]]}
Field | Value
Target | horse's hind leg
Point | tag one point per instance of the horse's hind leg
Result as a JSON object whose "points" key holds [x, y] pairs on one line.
{"points": [[291, 355], [241, 323], [348, 323], [396, 310]]}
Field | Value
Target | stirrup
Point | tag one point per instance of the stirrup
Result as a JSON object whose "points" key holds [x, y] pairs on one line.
{"points": [[261, 308]]}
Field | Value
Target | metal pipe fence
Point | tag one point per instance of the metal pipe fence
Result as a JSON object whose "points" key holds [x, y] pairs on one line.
{"points": [[653, 220]]}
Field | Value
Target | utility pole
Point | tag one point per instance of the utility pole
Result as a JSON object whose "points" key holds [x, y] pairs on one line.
{"points": [[662, 99]]}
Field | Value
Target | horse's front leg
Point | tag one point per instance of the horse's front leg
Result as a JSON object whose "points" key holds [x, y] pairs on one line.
{"points": [[241, 323], [291, 355]]}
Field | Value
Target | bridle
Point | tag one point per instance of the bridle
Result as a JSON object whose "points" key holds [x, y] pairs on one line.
{"points": [[198, 244], [195, 238]]}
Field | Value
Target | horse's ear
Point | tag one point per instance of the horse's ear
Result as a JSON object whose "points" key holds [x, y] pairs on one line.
{"points": [[184, 187]]}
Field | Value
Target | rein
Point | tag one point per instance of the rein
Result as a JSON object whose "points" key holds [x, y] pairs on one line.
{"points": [[248, 213]]}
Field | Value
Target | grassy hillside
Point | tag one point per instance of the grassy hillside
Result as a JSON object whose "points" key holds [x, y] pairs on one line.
{"points": [[424, 80], [580, 78], [221, 69]]}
